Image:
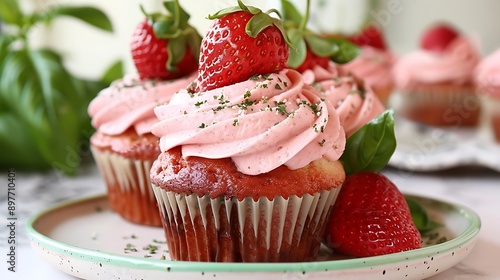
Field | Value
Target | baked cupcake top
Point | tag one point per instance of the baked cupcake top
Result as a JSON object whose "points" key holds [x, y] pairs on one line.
{"points": [[355, 104], [374, 66], [453, 63], [261, 124], [487, 74], [128, 103]]}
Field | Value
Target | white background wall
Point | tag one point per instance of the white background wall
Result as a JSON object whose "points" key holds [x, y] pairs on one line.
{"points": [[89, 51]]}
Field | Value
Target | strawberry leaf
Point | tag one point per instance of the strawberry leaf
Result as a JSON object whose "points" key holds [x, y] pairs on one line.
{"points": [[298, 54], [176, 51], [258, 23], [345, 52], [338, 50], [371, 147]]}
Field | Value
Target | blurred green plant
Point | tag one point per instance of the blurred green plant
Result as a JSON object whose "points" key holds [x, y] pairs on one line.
{"points": [[43, 107]]}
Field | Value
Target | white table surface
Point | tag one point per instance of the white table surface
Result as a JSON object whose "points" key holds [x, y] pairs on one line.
{"points": [[476, 188]]}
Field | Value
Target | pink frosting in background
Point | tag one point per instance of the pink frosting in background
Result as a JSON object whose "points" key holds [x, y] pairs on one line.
{"points": [[261, 124], [374, 66], [354, 105], [129, 102], [455, 65], [487, 74]]}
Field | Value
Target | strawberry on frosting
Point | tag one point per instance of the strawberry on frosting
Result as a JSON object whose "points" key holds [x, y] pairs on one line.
{"points": [[453, 62], [261, 123]]}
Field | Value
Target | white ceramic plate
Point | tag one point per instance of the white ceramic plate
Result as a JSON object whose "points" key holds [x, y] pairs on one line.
{"points": [[84, 238], [426, 148]]}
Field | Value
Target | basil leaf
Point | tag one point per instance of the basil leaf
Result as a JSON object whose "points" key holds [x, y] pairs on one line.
{"points": [[371, 147], [420, 217], [90, 15], [10, 12], [114, 72]]}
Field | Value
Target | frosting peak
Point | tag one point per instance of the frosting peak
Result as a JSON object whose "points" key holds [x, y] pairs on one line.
{"points": [[129, 102], [261, 123], [454, 65], [355, 105], [374, 66]]}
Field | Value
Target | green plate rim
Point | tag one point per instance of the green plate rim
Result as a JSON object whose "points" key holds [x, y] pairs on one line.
{"points": [[185, 266]]}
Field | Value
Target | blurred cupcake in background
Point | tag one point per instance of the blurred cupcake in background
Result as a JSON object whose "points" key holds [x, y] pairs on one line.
{"points": [[123, 146], [487, 77], [436, 82], [374, 64]]}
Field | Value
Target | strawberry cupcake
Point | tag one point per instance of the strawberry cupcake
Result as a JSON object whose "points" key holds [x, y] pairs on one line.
{"points": [[436, 83], [374, 64], [249, 166], [487, 76], [248, 172], [123, 146]]}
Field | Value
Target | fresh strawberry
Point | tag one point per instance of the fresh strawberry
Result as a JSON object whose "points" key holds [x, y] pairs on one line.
{"points": [[438, 37], [165, 46], [370, 36], [313, 60], [371, 217], [242, 42]]}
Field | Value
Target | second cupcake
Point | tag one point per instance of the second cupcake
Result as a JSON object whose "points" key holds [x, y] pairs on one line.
{"points": [[436, 83], [249, 166]]}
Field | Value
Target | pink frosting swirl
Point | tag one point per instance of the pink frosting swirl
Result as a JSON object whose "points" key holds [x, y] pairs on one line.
{"points": [[487, 74], [454, 65], [129, 102], [374, 66], [355, 105], [260, 123]]}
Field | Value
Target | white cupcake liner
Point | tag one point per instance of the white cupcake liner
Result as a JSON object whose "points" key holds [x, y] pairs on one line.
{"points": [[129, 187], [279, 224], [124, 172]]}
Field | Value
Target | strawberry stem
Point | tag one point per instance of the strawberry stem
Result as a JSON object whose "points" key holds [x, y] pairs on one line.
{"points": [[305, 19]]}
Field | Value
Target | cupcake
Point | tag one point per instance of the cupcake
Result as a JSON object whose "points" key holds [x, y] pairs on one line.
{"points": [[249, 169], [122, 114], [354, 101], [251, 174], [488, 84], [436, 83], [374, 64], [123, 146]]}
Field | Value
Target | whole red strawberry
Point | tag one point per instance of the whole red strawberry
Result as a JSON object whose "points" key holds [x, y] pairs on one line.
{"points": [[242, 42], [370, 36], [312, 61], [371, 217], [165, 46], [438, 37]]}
